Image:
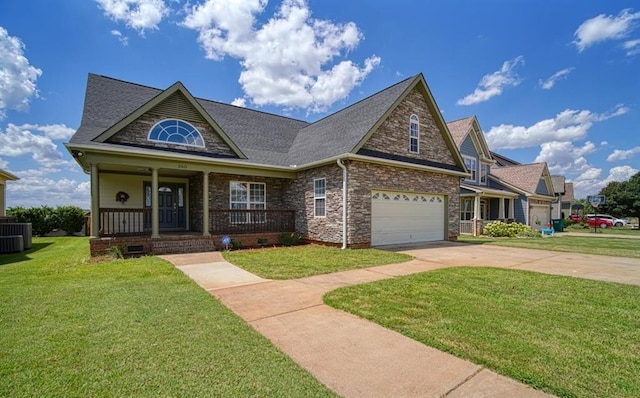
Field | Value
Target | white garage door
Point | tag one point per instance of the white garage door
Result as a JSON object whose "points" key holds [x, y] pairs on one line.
{"points": [[398, 217], [539, 217]]}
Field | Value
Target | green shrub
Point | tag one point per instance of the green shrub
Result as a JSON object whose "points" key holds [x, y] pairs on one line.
{"points": [[43, 219], [289, 239], [499, 229], [236, 244], [70, 218]]}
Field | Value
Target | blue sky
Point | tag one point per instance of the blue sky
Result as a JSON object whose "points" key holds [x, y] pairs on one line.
{"points": [[553, 81]]}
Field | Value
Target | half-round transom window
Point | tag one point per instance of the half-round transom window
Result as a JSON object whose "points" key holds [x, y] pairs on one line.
{"points": [[176, 132]]}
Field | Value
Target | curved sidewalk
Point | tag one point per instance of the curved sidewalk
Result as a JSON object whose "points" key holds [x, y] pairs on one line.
{"points": [[358, 358]]}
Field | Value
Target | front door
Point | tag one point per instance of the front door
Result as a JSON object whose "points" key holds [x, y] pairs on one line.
{"points": [[171, 205]]}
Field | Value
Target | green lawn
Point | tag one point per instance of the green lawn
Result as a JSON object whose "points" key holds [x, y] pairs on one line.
{"points": [[567, 336], [605, 231], [300, 261], [139, 327], [617, 247]]}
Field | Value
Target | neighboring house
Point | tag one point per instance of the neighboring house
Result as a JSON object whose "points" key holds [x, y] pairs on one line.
{"points": [[563, 197], [480, 203], [4, 177], [498, 188], [533, 184], [173, 173]]}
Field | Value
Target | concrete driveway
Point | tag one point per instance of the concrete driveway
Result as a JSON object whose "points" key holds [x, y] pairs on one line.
{"points": [[357, 358]]}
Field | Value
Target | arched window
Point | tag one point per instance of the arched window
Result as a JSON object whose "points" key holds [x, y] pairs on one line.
{"points": [[414, 134], [176, 131]]}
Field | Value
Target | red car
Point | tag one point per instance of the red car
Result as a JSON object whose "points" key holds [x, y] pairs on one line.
{"points": [[600, 222], [576, 218]]}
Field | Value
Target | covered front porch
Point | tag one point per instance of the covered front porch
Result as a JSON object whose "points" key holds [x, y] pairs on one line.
{"points": [[480, 206], [184, 207]]}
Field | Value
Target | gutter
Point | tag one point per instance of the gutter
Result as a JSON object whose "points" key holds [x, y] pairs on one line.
{"points": [[344, 203]]}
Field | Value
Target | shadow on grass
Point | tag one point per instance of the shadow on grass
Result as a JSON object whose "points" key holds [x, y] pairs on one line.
{"points": [[10, 258]]}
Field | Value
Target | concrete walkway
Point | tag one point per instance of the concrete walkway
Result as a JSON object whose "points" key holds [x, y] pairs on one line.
{"points": [[357, 358]]}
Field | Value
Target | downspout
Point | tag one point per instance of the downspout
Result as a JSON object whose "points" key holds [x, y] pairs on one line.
{"points": [[344, 203]]}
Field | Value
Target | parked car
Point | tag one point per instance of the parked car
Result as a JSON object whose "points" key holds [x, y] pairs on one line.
{"points": [[576, 218], [603, 220]]}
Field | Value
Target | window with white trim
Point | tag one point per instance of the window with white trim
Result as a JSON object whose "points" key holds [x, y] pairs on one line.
{"points": [[472, 166], [175, 131], [320, 197], [484, 171], [250, 196], [414, 134]]}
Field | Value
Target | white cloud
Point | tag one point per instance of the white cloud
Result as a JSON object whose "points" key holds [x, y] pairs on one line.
{"points": [[605, 27], [285, 60], [4, 164], [136, 14], [551, 81], [568, 125], [493, 83], [25, 140], [632, 47], [122, 38], [623, 155], [17, 76], [38, 188], [241, 102], [589, 182], [563, 157]]}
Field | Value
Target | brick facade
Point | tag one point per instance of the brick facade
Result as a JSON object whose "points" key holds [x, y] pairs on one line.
{"points": [[136, 133], [393, 135]]}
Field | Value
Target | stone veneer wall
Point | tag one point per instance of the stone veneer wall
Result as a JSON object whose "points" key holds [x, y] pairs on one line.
{"points": [[299, 196], [364, 177], [195, 202], [137, 132], [393, 135]]}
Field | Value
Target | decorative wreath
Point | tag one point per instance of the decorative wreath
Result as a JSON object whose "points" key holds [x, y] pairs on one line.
{"points": [[122, 197]]}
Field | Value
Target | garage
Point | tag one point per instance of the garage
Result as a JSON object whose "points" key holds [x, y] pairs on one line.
{"points": [[539, 216], [401, 217]]}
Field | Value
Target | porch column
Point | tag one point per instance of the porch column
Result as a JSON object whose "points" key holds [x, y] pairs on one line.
{"points": [[155, 211], [95, 202], [476, 215], [512, 202], [500, 208], [205, 203]]}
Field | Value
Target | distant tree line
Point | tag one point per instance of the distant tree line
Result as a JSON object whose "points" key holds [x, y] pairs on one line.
{"points": [[622, 199], [46, 219]]}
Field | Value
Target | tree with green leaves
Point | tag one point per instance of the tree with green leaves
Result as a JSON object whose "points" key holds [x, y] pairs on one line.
{"points": [[623, 198]]}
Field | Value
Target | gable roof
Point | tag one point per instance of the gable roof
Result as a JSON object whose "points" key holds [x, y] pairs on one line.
{"points": [[502, 160], [524, 177], [558, 184], [567, 196], [460, 129], [257, 137], [469, 126]]}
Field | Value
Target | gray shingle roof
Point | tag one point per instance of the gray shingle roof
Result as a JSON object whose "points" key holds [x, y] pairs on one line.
{"points": [[264, 138], [340, 132]]}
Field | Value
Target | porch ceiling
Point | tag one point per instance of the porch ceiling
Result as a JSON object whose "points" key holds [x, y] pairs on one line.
{"points": [[127, 169]]}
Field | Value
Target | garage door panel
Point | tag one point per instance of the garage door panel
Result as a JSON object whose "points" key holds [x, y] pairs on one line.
{"points": [[404, 218]]}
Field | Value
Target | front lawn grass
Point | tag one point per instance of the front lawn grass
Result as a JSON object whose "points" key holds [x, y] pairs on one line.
{"points": [[70, 327], [300, 261], [626, 230], [567, 336], [606, 246]]}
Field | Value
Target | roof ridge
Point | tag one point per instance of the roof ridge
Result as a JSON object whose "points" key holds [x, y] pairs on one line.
{"points": [[461, 119], [364, 99]]}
